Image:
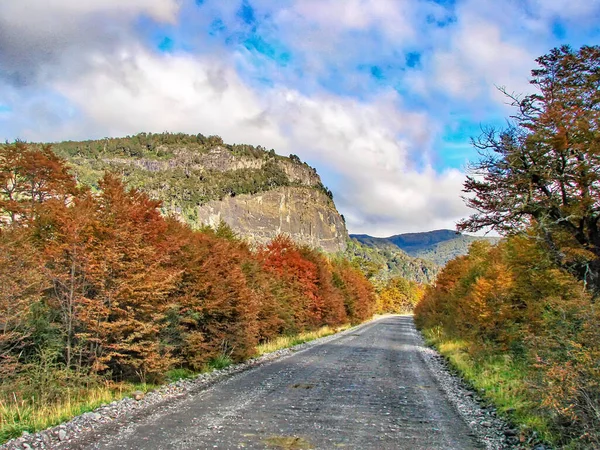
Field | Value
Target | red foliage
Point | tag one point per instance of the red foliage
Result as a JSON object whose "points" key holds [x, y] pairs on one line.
{"points": [[131, 294]]}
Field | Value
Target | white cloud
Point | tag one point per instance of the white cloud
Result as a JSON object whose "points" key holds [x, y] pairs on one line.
{"points": [[587, 11], [141, 91], [41, 40], [57, 13], [376, 149], [477, 57], [80, 69], [393, 17]]}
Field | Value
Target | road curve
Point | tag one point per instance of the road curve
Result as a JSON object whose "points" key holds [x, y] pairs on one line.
{"points": [[370, 388]]}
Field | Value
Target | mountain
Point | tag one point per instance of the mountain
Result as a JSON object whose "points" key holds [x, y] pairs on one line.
{"points": [[203, 181], [385, 260], [438, 247]]}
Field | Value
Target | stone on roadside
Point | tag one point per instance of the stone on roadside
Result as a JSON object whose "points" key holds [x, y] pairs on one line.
{"points": [[62, 435], [137, 395]]}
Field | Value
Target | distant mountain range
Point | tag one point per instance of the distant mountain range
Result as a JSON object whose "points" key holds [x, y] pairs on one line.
{"points": [[384, 261], [438, 247]]}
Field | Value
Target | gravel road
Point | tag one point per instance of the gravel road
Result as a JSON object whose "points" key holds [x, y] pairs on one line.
{"points": [[369, 388]]}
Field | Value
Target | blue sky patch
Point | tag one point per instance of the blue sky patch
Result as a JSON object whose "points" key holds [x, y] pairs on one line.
{"points": [[166, 45], [413, 59], [217, 27], [246, 13], [272, 51], [558, 30], [377, 73]]}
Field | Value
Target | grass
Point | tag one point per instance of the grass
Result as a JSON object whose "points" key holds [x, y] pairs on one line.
{"points": [[290, 341], [30, 414], [218, 362], [179, 374], [499, 379]]}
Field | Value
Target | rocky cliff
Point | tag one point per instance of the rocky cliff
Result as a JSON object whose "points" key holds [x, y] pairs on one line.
{"points": [[202, 181], [306, 214]]}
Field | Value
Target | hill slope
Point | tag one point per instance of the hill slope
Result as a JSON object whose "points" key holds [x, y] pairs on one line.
{"points": [[438, 247], [386, 261], [202, 181]]}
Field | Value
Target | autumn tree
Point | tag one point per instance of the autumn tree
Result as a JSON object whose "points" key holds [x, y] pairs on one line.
{"points": [[399, 295], [543, 172], [28, 177], [21, 289]]}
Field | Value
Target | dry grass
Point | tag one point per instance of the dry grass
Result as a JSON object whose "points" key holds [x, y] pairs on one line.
{"points": [[287, 442], [290, 341], [33, 414], [499, 378], [19, 412]]}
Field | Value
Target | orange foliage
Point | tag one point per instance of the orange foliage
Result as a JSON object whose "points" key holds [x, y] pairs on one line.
{"points": [[119, 290], [513, 299]]}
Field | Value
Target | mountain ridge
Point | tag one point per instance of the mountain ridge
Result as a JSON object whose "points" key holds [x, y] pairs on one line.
{"points": [[436, 246], [202, 180]]}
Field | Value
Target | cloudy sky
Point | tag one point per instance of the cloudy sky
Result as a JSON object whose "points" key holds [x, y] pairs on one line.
{"points": [[381, 96]]}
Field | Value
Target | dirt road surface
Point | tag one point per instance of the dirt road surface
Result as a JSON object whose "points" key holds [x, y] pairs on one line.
{"points": [[369, 388]]}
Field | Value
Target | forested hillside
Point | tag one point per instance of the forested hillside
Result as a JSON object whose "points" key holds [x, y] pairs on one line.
{"points": [[98, 288], [521, 320], [203, 181], [385, 261], [438, 246]]}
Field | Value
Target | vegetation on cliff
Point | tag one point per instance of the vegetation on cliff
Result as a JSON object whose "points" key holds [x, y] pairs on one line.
{"points": [[98, 287], [383, 262], [521, 319], [183, 171]]}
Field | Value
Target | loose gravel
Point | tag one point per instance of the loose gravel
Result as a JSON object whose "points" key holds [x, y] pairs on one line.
{"points": [[123, 410], [493, 431], [482, 420]]}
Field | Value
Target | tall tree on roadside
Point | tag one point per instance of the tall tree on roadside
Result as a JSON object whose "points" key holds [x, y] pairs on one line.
{"points": [[543, 172]]}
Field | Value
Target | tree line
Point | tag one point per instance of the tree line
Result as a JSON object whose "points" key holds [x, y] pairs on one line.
{"points": [[529, 305], [101, 283]]}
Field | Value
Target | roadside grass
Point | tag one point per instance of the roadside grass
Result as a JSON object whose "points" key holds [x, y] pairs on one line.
{"points": [[499, 379], [30, 409], [31, 414], [218, 363], [289, 341]]}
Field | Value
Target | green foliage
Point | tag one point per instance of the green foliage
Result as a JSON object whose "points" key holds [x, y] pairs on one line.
{"points": [[179, 374], [178, 169], [382, 262], [501, 380], [531, 336], [219, 362], [438, 247]]}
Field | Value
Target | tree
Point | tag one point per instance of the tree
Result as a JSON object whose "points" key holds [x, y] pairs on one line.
{"points": [[28, 177], [543, 171], [22, 287]]}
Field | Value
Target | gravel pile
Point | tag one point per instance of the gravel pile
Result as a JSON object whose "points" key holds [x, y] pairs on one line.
{"points": [[123, 410]]}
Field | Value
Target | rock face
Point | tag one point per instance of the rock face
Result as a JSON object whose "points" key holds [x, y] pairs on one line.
{"points": [[202, 181], [306, 214], [220, 159]]}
